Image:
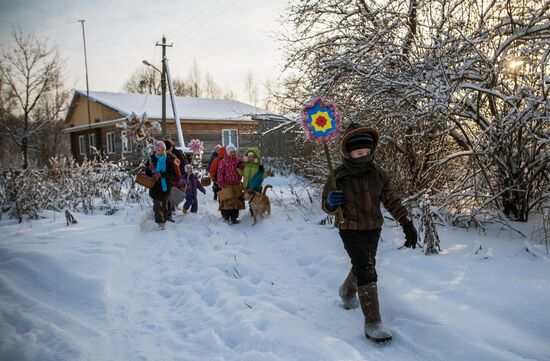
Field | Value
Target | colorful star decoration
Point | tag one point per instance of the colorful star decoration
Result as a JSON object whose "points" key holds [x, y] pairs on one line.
{"points": [[320, 119]]}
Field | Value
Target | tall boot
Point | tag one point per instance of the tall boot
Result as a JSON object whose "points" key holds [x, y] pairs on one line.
{"points": [[348, 292], [368, 299]]}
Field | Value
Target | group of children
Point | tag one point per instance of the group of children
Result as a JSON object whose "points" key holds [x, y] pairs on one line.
{"points": [[231, 175], [229, 172], [353, 196]]}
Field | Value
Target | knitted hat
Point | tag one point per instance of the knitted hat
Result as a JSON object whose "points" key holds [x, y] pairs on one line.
{"points": [[230, 147], [359, 141]]}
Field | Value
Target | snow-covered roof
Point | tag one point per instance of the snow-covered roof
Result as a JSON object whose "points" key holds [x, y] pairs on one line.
{"points": [[189, 108]]}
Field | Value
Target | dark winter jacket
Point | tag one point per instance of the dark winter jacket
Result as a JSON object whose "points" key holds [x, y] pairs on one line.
{"points": [[182, 158], [364, 190], [213, 156], [190, 184], [170, 175]]}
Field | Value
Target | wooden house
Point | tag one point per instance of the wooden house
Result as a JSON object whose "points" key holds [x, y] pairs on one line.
{"points": [[213, 121]]}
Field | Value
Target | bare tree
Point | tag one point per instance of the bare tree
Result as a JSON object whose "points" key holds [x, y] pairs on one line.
{"points": [[251, 89], [211, 89], [195, 80], [34, 97], [144, 80], [459, 90], [229, 95], [182, 87]]}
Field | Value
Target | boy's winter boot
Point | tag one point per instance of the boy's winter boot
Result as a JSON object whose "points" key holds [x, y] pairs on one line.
{"points": [[348, 292], [374, 329]]}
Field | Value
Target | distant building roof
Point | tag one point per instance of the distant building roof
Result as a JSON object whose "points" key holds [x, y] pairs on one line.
{"points": [[189, 108]]}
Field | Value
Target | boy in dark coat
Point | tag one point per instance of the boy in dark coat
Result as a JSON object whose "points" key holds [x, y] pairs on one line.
{"points": [[361, 185], [161, 166], [189, 183]]}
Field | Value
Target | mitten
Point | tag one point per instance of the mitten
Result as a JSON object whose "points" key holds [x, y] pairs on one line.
{"points": [[411, 236], [335, 199]]}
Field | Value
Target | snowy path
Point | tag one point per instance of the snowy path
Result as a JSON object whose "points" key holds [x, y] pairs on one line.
{"points": [[223, 301], [116, 288]]}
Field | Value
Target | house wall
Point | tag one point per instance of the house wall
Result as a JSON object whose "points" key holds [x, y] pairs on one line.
{"points": [[98, 112], [134, 156], [208, 131]]}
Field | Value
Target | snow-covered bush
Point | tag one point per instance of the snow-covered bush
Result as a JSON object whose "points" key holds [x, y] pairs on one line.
{"points": [[428, 228], [65, 184]]}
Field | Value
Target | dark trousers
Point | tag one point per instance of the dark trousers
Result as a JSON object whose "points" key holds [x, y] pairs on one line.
{"points": [[215, 189], [160, 207], [171, 207], [230, 213], [234, 214], [191, 202], [361, 247]]}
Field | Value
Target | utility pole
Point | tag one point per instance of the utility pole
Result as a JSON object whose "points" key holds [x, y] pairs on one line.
{"points": [[86, 65], [163, 84]]}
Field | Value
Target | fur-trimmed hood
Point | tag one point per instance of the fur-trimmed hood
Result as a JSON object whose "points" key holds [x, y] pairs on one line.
{"points": [[256, 152], [354, 129]]}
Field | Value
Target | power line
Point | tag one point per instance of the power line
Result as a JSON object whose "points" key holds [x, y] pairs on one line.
{"points": [[207, 21], [190, 18]]}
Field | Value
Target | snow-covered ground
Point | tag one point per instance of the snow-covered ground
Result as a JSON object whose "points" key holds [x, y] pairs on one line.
{"points": [[117, 288]]}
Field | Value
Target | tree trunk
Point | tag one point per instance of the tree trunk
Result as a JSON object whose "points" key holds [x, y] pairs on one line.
{"points": [[24, 151]]}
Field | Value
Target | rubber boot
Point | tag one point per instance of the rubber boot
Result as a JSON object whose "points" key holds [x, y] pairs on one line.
{"points": [[368, 299], [348, 292]]}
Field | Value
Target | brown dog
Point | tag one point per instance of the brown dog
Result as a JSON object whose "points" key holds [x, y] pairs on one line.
{"points": [[259, 202]]}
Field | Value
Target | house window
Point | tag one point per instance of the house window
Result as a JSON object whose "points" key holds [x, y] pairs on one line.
{"points": [[126, 140], [230, 136], [111, 143], [82, 144], [93, 146]]}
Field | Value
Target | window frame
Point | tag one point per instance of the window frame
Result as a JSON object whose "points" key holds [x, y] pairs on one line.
{"points": [[112, 136], [236, 144], [82, 144], [128, 136], [92, 144]]}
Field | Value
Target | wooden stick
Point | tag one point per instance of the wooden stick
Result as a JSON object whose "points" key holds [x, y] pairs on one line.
{"points": [[333, 180]]}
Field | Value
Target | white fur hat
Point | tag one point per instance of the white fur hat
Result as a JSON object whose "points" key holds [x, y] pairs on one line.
{"points": [[230, 147]]}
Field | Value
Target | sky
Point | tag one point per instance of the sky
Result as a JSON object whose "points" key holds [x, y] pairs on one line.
{"points": [[227, 38]]}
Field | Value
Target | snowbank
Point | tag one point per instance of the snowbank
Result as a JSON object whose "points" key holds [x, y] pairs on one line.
{"points": [[116, 288]]}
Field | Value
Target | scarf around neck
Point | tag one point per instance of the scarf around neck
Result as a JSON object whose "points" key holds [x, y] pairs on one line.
{"points": [[356, 166], [161, 168]]}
